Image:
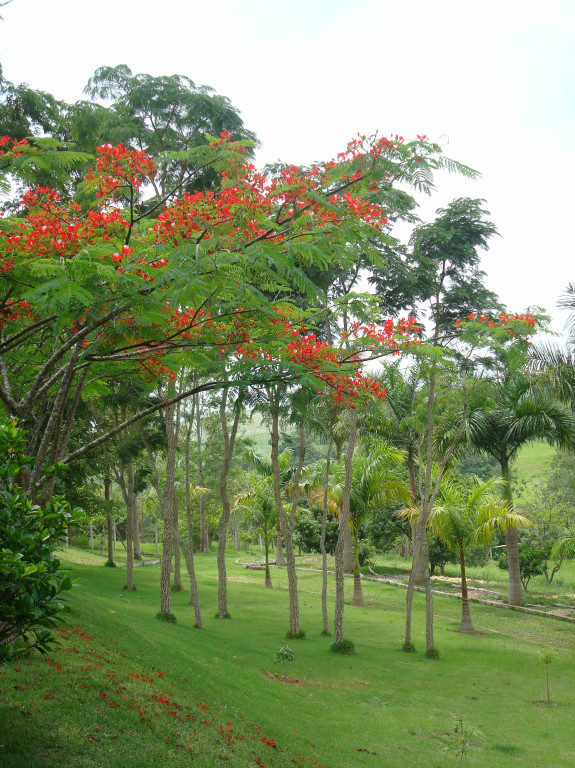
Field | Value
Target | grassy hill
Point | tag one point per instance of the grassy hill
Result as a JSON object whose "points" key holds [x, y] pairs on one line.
{"points": [[124, 689], [533, 465]]}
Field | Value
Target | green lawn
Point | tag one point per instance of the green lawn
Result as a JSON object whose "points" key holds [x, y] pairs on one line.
{"points": [[101, 702]]}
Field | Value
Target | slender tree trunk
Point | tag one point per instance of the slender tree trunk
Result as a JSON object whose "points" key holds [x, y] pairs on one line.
{"points": [[407, 643], [177, 583], [287, 526], [109, 521], [429, 637], [229, 442], [129, 526], [188, 549], [167, 509], [268, 580], [515, 596], [322, 537], [204, 545], [417, 566], [343, 525], [357, 598], [466, 624], [280, 559], [136, 528], [348, 559]]}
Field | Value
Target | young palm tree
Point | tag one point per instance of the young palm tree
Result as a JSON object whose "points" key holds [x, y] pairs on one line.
{"points": [[524, 412], [259, 504], [468, 513], [374, 484]]}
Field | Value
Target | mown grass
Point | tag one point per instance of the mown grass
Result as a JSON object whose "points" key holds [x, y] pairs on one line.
{"points": [[379, 708]]}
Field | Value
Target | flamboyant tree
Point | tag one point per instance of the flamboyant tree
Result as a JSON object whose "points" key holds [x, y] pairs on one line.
{"points": [[115, 291]]}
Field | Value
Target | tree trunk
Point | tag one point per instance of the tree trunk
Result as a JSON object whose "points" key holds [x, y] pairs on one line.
{"points": [[268, 581], [129, 526], [407, 643], [348, 559], [204, 545], [177, 583], [466, 624], [136, 528], [188, 549], [280, 559], [515, 596], [417, 566], [229, 442], [287, 526], [343, 526], [322, 537], [109, 521], [167, 509], [357, 598]]}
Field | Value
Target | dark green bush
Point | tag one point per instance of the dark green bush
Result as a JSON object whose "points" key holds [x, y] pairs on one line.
{"points": [[345, 647], [31, 581]]}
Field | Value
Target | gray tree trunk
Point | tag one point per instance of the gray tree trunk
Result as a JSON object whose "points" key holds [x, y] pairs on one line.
{"points": [[229, 442], [343, 526]]}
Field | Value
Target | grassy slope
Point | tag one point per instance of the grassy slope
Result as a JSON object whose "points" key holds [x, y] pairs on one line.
{"points": [[381, 701], [534, 463]]}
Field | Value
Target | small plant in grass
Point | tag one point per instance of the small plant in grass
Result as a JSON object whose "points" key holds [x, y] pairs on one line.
{"points": [[169, 618], [462, 738], [408, 647], [110, 564], [345, 647], [295, 636], [432, 653], [283, 656], [130, 589], [325, 633], [547, 655], [226, 615]]}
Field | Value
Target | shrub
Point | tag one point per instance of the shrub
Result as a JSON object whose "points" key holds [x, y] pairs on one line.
{"points": [[31, 580], [345, 647], [532, 560]]}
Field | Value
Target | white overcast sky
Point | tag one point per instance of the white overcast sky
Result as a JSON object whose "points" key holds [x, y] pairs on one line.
{"points": [[491, 80]]}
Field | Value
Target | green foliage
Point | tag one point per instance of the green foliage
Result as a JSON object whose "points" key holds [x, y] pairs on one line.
{"points": [[439, 555], [168, 618], [532, 560], [432, 653], [462, 738], [295, 635], [547, 656], [283, 656], [345, 647], [408, 647], [365, 553], [31, 581]]}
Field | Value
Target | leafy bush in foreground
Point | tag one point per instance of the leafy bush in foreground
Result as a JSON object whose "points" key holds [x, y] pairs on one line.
{"points": [[30, 577]]}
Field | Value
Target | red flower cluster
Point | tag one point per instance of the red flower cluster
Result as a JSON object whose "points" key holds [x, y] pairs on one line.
{"points": [[118, 169], [512, 322], [15, 146]]}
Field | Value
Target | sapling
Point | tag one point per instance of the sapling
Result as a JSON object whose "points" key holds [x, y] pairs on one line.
{"points": [[284, 655], [547, 655]]}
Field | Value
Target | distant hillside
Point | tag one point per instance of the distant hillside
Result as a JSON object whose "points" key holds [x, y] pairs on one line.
{"points": [[533, 465]]}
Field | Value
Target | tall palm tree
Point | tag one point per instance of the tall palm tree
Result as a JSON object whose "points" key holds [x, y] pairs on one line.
{"points": [[524, 412], [468, 513]]}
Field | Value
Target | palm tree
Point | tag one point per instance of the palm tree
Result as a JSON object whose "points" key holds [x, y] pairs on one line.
{"points": [[374, 484], [258, 502], [524, 412], [466, 514]]}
